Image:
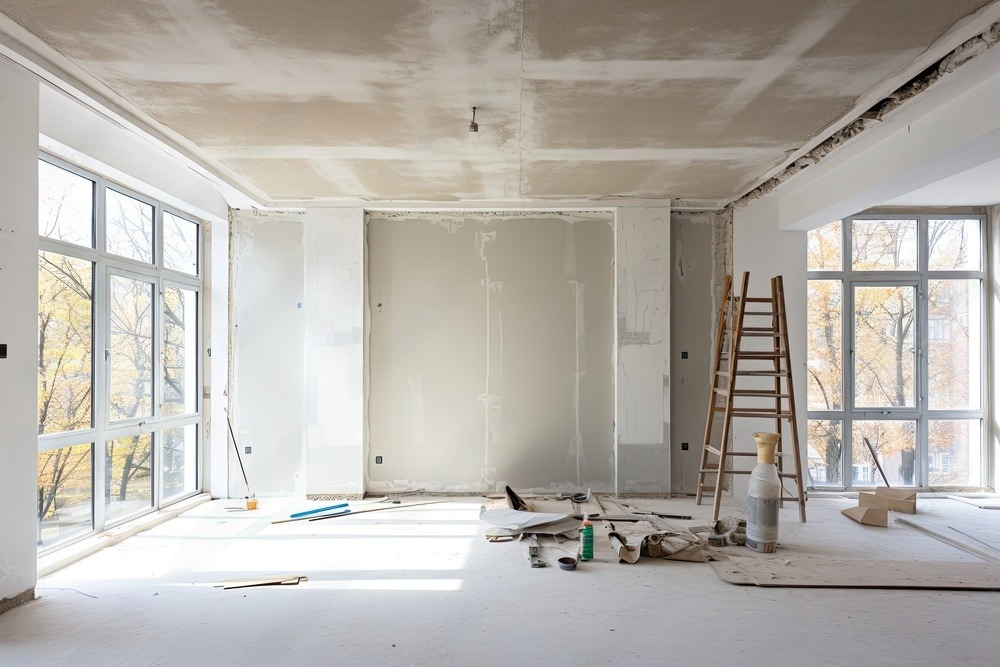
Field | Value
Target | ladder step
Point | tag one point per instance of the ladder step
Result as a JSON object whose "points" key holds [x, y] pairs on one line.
{"points": [[760, 394], [758, 299], [758, 374], [768, 333], [768, 414]]}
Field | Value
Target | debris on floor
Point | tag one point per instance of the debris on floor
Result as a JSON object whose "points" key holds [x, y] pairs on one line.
{"points": [[873, 508], [869, 516], [507, 522], [266, 580], [642, 538], [894, 500]]}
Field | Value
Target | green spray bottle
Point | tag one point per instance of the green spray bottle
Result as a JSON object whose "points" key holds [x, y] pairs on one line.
{"points": [[586, 539]]}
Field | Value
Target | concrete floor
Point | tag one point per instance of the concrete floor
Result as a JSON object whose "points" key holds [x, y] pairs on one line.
{"points": [[423, 587]]}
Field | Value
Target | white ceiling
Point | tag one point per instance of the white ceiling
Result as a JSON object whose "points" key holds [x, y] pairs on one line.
{"points": [[975, 187], [584, 99]]}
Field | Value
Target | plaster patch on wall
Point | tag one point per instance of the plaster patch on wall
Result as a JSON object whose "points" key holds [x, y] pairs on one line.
{"points": [[635, 338]]}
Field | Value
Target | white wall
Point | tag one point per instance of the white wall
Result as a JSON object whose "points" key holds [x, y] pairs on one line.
{"points": [[764, 250], [643, 387], [330, 429], [18, 328], [335, 399], [297, 386]]}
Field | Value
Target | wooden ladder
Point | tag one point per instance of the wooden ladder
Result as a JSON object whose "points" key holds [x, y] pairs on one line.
{"points": [[743, 320]]}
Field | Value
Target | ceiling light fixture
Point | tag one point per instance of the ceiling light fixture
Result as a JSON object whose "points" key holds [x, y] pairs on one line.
{"points": [[473, 126]]}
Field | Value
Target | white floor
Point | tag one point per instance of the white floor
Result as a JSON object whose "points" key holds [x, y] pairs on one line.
{"points": [[423, 587]]}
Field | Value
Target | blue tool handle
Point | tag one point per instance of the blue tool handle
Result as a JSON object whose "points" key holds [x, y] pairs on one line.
{"points": [[317, 511]]}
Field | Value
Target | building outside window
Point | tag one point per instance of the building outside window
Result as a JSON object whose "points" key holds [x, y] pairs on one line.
{"points": [[119, 423], [896, 351]]}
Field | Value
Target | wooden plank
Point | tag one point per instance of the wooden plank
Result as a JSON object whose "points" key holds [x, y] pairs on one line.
{"points": [[264, 580], [921, 575]]}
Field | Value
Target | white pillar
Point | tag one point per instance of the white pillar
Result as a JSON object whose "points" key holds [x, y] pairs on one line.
{"points": [[18, 329]]}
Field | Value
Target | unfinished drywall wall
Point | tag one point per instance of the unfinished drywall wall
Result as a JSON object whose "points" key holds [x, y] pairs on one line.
{"points": [[643, 387], [267, 391], [491, 351], [693, 268], [18, 333]]}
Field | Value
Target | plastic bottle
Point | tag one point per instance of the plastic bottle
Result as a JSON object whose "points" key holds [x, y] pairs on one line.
{"points": [[763, 496], [586, 539]]}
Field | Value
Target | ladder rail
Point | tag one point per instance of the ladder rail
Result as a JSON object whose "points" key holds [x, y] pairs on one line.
{"points": [[732, 323], [716, 366]]}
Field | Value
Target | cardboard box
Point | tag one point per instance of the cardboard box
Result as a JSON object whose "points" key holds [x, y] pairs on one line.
{"points": [[869, 516], [896, 500]]}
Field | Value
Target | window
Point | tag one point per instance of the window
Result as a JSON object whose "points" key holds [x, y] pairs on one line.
{"points": [[895, 351], [118, 339]]}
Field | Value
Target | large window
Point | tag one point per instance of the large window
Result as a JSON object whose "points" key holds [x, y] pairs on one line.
{"points": [[118, 334], [895, 349]]}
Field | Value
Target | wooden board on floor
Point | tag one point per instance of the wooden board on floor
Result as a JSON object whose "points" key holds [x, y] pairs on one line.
{"points": [[943, 575], [265, 580]]}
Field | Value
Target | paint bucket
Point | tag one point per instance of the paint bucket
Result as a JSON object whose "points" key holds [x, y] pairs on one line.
{"points": [[567, 563]]}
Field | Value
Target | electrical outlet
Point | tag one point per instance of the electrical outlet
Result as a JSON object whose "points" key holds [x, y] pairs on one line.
{"points": [[378, 460], [684, 446], [3, 350], [684, 355], [248, 450]]}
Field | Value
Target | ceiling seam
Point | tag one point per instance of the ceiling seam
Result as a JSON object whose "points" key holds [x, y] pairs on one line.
{"points": [[520, 116]]}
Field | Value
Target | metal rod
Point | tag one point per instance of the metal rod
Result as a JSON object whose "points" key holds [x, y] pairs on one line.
{"points": [[947, 540], [238, 457]]}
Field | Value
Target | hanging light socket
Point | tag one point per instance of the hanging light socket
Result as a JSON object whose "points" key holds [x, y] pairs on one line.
{"points": [[473, 126]]}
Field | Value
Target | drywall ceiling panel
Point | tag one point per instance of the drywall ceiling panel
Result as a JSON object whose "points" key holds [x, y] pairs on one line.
{"points": [[372, 99], [639, 178], [491, 352], [658, 30]]}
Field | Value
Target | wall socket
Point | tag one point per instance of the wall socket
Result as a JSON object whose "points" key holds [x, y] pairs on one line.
{"points": [[684, 446], [378, 460], [248, 450]]}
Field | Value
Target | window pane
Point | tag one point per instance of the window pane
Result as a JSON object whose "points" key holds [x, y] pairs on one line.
{"points": [[826, 248], [129, 227], [884, 245], [65, 343], [180, 244], [954, 245], [825, 449], [129, 484], [131, 348], [180, 352], [824, 351], [179, 460], [65, 205], [895, 445], [884, 350], [955, 452], [65, 493], [954, 363]]}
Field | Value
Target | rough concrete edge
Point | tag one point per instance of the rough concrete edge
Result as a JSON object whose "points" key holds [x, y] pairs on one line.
{"points": [[962, 54], [7, 604], [88, 547]]}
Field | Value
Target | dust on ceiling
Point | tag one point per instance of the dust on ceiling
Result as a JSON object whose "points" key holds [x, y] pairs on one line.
{"points": [[577, 98]]}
